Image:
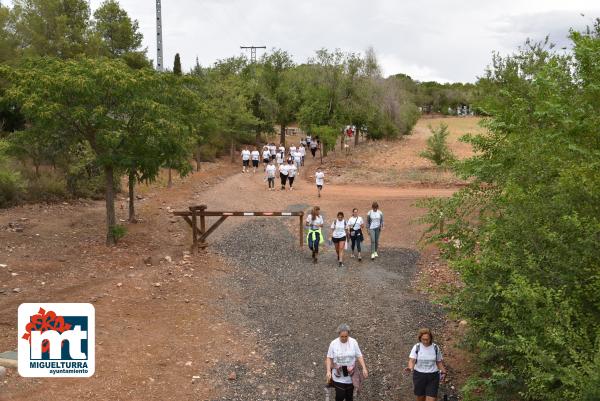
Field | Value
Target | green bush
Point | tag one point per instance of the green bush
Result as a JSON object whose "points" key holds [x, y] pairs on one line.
{"points": [[12, 188], [437, 146], [47, 187]]}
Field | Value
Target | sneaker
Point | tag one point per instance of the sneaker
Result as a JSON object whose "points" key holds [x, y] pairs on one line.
{"points": [[340, 264], [359, 258], [376, 255], [373, 256], [351, 256]]}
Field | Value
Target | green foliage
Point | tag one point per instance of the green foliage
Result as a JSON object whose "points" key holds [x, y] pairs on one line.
{"points": [[118, 231], [12, 187], [528, 227], [177, 65], [437, 146], [119, 34]]}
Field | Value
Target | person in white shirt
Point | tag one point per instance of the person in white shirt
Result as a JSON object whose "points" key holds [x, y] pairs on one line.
{"points": [[339, 236], [283, 175], [297, 159], [426, 364], [255, 155], [270, 171], [314, 237], [341, 364], [302, 150], [313, 148], [308, 140], [355, 230], [280, 157], [375, 225], [266, 155], [320, 180], [272, 150], [245, 159], [282, 148], [292, 171]]}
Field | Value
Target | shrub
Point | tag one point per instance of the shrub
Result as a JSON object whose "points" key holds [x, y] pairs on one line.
{"points": [[12, 188], [437, 146], [47, 187]]}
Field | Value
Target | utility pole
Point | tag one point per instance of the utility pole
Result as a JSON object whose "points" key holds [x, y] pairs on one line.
{"points": [[253, 51], [159, 38]]}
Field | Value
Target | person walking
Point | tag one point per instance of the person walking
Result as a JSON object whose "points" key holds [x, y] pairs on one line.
{"points": [[313, 148], [280, 157], [297, 156], [283, 174], [341, 364], [426, 364], [375, 224], [320, 180], [255, 159], [302, 150], [314, 238], [272, 150], [355, 230], [339, 235], [270, 171], [292, 171], [266, 155], [245, 159]]}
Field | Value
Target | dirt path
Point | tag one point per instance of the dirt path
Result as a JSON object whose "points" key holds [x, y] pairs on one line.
{"points": [[217, 312]]}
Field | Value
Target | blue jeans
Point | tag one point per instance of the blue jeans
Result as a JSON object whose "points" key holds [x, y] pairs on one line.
{"points": [[374, 232]]}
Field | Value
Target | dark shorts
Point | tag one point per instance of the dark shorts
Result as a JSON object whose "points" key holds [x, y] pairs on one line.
{"points": [[320, 187], [254, 163], [246, 163], [426, 384], [266, 161], [336, 240], [272, 157]]}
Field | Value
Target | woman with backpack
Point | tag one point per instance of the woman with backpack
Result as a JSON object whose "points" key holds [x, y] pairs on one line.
{"points": [[355, 230], [314, 222], [427, 366], [339, 236]]}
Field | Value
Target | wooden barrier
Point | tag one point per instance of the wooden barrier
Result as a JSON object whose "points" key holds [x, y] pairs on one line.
{"points": [[199, 235]]}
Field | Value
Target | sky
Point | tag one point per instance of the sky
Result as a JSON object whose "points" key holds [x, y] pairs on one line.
{"points": [[446, 41]]}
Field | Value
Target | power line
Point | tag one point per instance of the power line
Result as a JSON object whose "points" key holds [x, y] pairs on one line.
{"points": [[253, 51], [159, 39]]}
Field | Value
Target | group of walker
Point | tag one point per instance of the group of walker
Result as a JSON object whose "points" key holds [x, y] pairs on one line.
{"points": [[345, 234], [286, 161], [425, 362]]}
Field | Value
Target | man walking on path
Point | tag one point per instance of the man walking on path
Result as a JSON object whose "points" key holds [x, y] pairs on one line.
{"points": [[375, 224]]}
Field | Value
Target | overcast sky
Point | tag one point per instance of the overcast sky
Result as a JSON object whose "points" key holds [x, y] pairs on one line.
{"points": [[427, 39]]}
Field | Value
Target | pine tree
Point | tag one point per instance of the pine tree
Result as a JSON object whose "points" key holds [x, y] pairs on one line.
{"points": [[177, 65]]}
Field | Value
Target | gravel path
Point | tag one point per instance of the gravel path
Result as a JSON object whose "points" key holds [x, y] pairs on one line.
{"points": [[294, 307]]}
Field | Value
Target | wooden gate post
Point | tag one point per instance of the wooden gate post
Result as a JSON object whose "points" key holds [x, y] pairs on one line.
{"points": [[301, 230], [194, 231]]}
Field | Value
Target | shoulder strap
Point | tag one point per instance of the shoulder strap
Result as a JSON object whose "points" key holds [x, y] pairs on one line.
{"points": [[417, 350]]}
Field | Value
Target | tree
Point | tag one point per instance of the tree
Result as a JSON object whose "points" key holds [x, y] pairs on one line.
{"points": [[125, 116], [277, 78], [437, 146], [177, 65], [58, 28], [524, 235], [8, 41]]}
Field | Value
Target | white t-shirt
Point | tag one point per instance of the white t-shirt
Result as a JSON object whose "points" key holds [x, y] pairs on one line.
{"points": [[354, 223], [270, 170], [292, 170], [266, 154], [272, 149], [302, 151], [282, 149], [320, 177], [283, 169], [279, 158], [313, 145], [314, 225], [308, 138], [343, 354], [376, 217], [339, 228], [245, 154], [426, 359], [292, 150], [297, 156], [255, 155]]}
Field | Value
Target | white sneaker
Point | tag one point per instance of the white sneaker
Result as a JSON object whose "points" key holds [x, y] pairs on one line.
{"points": [[376, 255], [373, 256], [352, 256]]}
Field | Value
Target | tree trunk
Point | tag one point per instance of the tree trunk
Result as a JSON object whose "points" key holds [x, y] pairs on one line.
{"points": [[356, 136], [282, 135], [111, 218], [342, 141], [37, 170], [258, 137], [232, 151], [198, 157], [131, 197], [170, 183]]}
